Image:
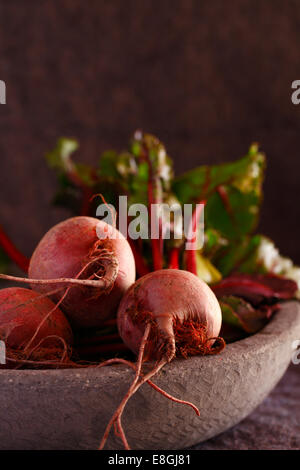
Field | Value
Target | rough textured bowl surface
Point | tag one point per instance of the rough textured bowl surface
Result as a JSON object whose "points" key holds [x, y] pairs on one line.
{"points": [[69, 409]]}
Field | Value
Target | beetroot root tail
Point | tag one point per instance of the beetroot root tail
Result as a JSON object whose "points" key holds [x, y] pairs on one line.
{"points": [[118, 413], [172, 398], [130, 393], [106, 260]]}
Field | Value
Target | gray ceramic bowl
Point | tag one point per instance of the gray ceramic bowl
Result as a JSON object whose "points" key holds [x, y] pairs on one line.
{"points": [[69, 409]]}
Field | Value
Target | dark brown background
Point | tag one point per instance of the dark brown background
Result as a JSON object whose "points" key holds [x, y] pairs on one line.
{"points": [[208, 77]]}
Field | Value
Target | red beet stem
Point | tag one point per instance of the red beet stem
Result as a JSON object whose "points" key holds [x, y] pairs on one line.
{"points": [[156, 254], [225, 199], [13, 253], [86, 201], [191, 259], [174, 258], [156, 244], [86, 191], [140, 263], [154, 198]]}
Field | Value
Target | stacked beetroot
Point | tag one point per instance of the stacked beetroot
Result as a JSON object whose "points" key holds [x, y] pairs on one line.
{"points": [[86, 266], [84, 275]]}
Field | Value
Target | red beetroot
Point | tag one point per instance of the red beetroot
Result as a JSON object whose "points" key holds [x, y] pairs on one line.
{"points": [[28, 319], [171, 300], [73, 247], [166, 313]]}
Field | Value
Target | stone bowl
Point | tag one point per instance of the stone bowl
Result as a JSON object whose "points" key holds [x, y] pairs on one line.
{"points": [[69, 409]]}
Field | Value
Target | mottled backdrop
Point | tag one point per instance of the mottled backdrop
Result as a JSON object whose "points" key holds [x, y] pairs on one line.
{"points": [[208, 77]]}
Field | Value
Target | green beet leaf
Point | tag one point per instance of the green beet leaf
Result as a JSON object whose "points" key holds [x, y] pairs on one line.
{"points": [[239, 313], [233, 193]]}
